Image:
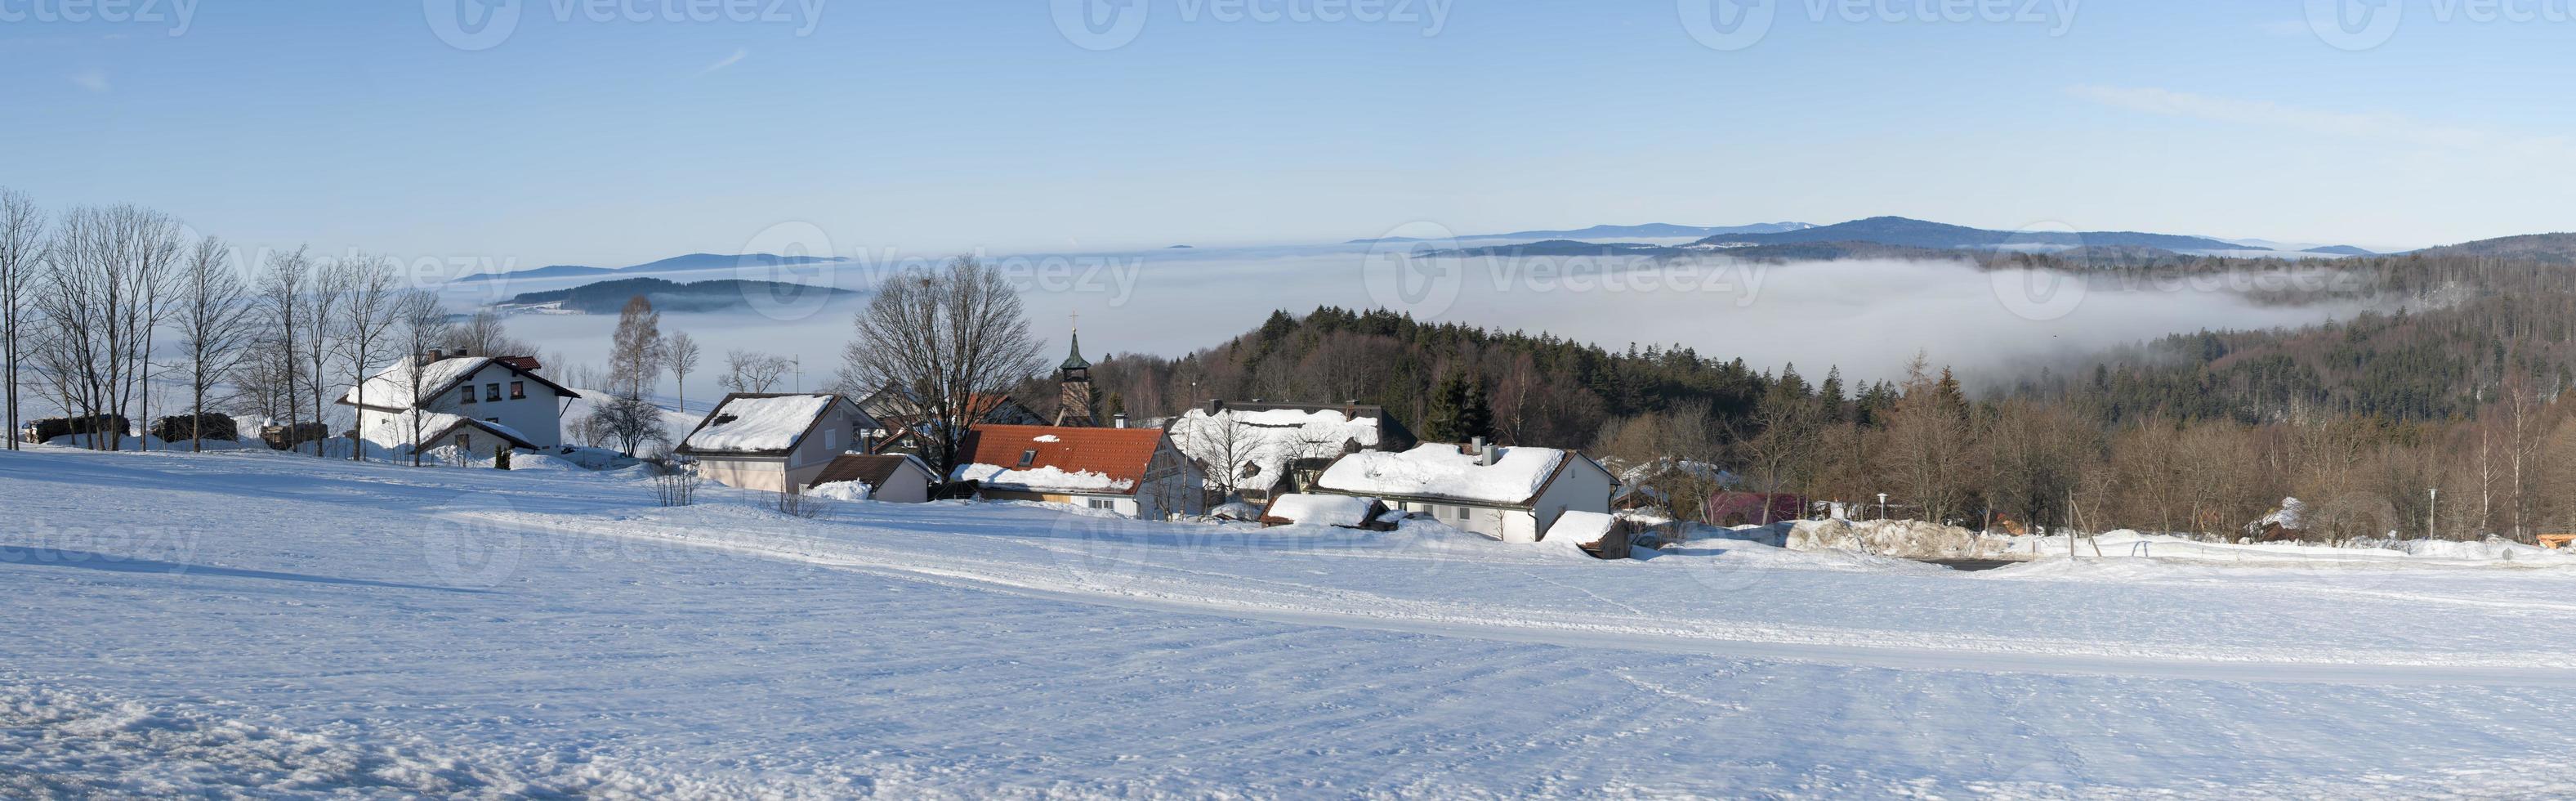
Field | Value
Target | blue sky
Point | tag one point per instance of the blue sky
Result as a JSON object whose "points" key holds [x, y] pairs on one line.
{"points": [[934, 127]]}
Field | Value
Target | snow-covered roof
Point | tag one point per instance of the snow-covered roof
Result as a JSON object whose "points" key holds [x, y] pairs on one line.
{"points": [[758, 423], [1440, 470], [1346, 511], [1051, 459], [1580, 527], [1268, 439], [1041, 479], [390, 388]]}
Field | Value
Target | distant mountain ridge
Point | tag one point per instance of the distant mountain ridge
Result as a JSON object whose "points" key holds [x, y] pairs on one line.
{"points": [[1941, 236], [689, 263], [2559, 248], [1646, 231], [609, 297]]}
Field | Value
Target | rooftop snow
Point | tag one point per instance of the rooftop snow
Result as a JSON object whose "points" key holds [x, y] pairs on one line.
{"points": [[753, 425], [1041, 479], [391, 387], [1268, 439], [1439, 470], [1346, 511]]}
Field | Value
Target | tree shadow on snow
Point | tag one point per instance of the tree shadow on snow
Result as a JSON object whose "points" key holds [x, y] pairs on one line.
{"points": [[56, 557]]}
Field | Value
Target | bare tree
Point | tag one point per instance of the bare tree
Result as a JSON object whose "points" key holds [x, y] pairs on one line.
{"points": [[949, 335], [635, 350], [483, 334], [681, 351], [367, 313], [101, 297], [283, 300], [22, 250], [421, 325], [752, 371], [216, 325], [324, 336]]}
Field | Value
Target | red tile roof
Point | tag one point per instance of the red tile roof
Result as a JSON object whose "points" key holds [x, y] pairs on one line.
{"points": [[1123, 454]]}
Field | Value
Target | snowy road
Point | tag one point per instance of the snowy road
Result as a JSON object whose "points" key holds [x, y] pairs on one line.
{"points": [[258, 624]]}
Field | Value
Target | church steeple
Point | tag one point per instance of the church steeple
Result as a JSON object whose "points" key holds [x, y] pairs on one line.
{"points": [[1073, 407]]}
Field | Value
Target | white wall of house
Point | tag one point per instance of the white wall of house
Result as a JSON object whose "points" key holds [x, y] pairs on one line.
{"points": [[908, 484], [1581, 486]]}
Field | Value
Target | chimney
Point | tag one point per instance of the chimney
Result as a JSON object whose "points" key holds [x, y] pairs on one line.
{"points": [[461, 352], [1118, 420], [1215, 405], [1487, 455], [1476, 446], [434, 354]]}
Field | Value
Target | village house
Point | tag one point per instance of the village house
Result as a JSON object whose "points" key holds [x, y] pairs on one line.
{"points": [[1264, 450], [1510, 494], [474, 403], [1131, 471], [890, 477], [774, 442]]}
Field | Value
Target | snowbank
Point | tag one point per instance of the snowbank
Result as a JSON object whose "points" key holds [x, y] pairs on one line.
{"points": [[753, 425], [1904, 539], [1441, 471], [840, 491], [1580, 527]]}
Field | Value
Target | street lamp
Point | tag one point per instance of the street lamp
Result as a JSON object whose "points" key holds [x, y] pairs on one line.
{"points": [[1882, 506], [2433, 500]]}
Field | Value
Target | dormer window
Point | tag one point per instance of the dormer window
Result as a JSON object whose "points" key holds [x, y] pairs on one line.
{"points": [[1027, 458]]}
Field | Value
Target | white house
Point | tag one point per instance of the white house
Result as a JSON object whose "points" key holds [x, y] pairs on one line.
{"points": [[774, 442], [476, 402], [1261, 450], [890, 477], [1130, 471], [1510, 494]]}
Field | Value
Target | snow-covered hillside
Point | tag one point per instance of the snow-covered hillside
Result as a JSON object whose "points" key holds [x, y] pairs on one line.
{"points": [[265, 624]]}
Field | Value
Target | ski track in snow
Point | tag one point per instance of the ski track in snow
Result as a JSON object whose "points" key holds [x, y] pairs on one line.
{"points": [[257, 625]]}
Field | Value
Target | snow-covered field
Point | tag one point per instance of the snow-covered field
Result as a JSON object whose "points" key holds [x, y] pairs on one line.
{"points": [[265, 624]]}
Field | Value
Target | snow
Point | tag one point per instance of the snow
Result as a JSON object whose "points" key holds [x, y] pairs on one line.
{"points": [[391, 631], [1580, 527], [1269, 439], [840, 491], [1041, 479], [1441, 471], [1047, 438], [759, 424], [1905, 539], [1343, 511]]}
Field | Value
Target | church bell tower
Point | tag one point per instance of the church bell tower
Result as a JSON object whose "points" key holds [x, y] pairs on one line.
{"points": [[1074, 377]]}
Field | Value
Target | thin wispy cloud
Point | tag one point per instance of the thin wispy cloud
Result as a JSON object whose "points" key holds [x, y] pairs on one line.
{"points": [[2387, 127], [727, 61], [92, 79]]}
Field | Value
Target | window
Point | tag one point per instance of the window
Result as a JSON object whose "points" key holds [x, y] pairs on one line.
{"points": [[518, 389], [491, 392], [469, 393], [1462, 513], [1103, 504], [1027, 458]]}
